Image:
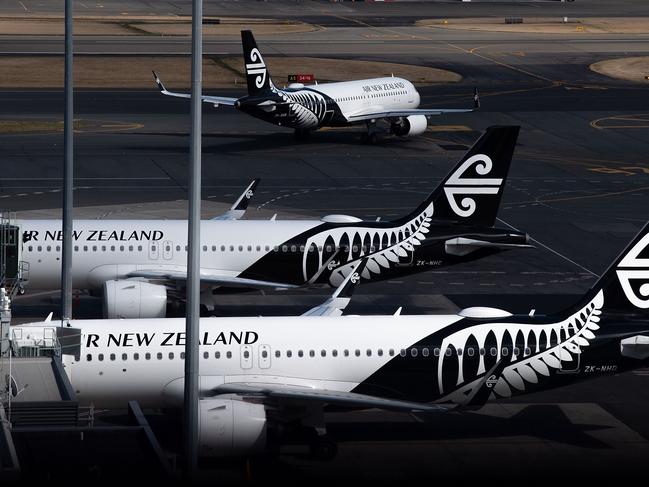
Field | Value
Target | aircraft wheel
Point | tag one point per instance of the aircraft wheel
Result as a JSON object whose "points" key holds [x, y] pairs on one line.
{"points": [[323, 448]]}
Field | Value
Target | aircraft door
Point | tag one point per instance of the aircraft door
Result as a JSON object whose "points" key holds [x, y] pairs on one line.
{"points": [[9, 249], [264, 356], [246, 357], [154, 250], [167, 250]]}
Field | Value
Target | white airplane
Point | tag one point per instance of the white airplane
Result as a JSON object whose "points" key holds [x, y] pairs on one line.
{"points": [[137, 265], [306, 108], [258, 373]]}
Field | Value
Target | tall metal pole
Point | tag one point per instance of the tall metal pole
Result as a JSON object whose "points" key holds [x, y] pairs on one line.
{"points": [[193, 256], [68, 175]]}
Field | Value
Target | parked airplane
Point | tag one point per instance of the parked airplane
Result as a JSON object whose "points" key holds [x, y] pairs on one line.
{"points": [[306, 108], [138, 264], [257, 374]]}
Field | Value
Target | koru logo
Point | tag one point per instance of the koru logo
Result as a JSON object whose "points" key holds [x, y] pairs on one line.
{"points": [[257, 67], [491, 381], [457, 185], [355, 278], [332, 265], [249, 194], [633, 267]]}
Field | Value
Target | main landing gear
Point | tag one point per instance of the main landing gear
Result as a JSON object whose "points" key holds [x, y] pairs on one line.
{"points": [[373, 134]]}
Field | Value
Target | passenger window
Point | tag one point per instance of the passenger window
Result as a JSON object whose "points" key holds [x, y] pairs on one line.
{"points": [[30, 248], [300, 353], [206, 355], [425, 352], [85, 248], [147, 356], [278, 354], [246, 354], [182, 355], [217, 354], [493, 351], [311, 353], [517, 350], [391, 352], [459, 352], [222, 248], [240, 248], [293, 248], [231, 248], [258, 248], [482, 352], [89, 358], [204, 248], [177, 248], [100, 357], [139, 248], [436, 352], [49, 248], [323, 353], [357, 352], [112, 356], [528, 351], [40, 248], [402, 352], [346, 353], [414, 352], [470, 352], [213, 248], [369, 352], [249, 248], [103, 248], [136, 356], [448, 352], [159, 355], [121, 248], [228, 355], [504, 352], [76, 248], [171, 355], [289, 354], [267, 248], [380, 352], [334, 352], [112, 248]]}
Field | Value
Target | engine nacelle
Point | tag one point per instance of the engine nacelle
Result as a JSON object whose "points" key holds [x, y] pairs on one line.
{"points": [[134, 299], [411, 125], [230, 428]]}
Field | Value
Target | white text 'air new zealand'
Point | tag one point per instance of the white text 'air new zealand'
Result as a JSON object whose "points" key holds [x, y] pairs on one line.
{"points": [[138, 264], [305, 108], [259, 374]]}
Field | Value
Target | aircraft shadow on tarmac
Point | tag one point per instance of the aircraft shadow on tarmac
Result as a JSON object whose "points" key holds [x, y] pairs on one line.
{"points": [[546, 422]]}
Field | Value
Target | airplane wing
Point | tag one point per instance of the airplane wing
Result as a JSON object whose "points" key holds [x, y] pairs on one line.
{"points": [[210, 278], [215, 100], [284, 393], [225, 279], [341, 297], [428, 112], [240, 206]]}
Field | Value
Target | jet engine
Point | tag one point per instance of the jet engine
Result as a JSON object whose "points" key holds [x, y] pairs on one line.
{"points": [[230, 428], [134, 299], [411, 125]]}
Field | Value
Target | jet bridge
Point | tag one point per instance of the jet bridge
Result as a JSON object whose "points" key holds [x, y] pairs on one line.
{"points": [[13, 271], [42, 425]]}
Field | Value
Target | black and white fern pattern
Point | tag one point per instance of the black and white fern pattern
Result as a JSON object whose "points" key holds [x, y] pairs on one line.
{"points": [[383, 246], [553, 344]]}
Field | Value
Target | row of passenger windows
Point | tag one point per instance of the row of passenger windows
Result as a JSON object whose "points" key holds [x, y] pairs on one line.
{"points": [[214, 248], [413, 352], [372, 95]]}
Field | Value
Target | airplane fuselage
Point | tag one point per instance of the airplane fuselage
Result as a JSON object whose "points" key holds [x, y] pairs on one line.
{"points": [[287, 251], [310, 107]]}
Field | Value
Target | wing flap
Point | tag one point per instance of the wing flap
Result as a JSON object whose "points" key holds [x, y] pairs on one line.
{"points": [[281, 393]]}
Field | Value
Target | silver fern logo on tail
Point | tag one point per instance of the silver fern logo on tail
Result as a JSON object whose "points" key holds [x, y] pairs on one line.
{"points": [[635, 268], [539, 350], [257, 67], [460, 186]]}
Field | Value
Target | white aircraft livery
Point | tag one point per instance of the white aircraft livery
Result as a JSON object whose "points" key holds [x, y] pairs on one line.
{"points": [[258, 374], [138, 265], [306, 108]]}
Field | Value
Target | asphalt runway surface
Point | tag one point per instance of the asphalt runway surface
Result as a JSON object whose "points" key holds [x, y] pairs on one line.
{"points": [[578, 185]]}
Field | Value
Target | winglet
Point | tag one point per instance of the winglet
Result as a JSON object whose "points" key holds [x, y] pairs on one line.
{"points": [[481, 392], [238, 209], [347, 287], [49, 317], [158, 82]]}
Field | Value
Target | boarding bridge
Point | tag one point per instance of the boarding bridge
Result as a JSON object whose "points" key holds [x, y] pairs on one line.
{"points": [[13, 271]]}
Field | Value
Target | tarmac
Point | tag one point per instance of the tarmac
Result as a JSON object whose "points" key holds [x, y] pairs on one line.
{"points": [[578, 185]]}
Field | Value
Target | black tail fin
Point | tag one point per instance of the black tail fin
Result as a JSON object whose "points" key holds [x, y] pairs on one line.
{"points": [[471, 192], [625, 283], [257, 75]]}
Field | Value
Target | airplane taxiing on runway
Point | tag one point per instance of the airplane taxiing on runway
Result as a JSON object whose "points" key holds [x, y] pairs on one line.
{"points": [[137, 265], [259, 374], [306, 108]]}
